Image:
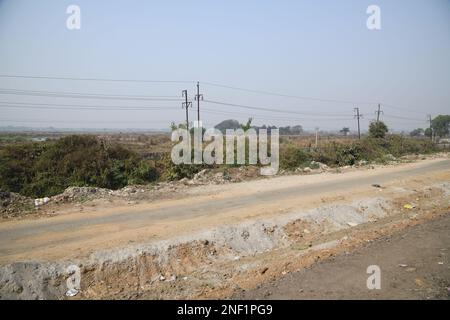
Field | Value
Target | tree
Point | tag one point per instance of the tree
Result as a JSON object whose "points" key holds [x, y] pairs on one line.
{"points": [[377, 129], [345, 131], [248, 125], [296, 130], [416, 132], [428, 132], [174, 126], [440, 125], [228, 124]]}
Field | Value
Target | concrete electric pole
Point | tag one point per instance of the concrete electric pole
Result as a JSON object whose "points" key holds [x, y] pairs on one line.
{"points": [[358, 116], [186, 106]]}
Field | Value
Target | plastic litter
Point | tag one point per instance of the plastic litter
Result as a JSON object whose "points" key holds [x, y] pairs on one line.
{"points": [[71, 292]]}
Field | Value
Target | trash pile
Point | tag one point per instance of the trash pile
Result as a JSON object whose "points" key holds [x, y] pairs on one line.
{"points": [[128, 191], [314, 167], [13, 204], [207, 176], [319, 165], [80, 194], [41, 201]]}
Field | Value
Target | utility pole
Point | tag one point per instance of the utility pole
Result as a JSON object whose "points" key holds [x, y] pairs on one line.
{"points": [[317, 135], [199, 97], [431, 127], [378, 112], [358, 116], [186, 106]]}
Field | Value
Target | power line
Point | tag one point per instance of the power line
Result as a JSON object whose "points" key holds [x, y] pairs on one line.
{"points": [[79, 109], [406, 122], [402, 118], [285, 95], [206, 83], [210, 111], [85, 95], [402, 109], [308, 98], [52, 106], [272, 109], [93, 79], [175, 98], [29, 105], [74, 121]]}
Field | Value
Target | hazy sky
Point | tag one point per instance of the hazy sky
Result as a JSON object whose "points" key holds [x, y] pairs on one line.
{"points": [[319, 49]]}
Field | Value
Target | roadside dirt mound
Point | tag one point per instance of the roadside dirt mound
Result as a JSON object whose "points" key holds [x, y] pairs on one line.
{"points": [[195, 260]]}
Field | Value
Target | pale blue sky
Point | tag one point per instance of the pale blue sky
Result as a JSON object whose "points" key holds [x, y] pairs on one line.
{"points": [[305, 48]]}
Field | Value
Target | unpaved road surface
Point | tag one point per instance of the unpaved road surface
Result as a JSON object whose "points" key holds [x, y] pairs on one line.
{"points": [[213, 241], [79, 234], [414, 264]]}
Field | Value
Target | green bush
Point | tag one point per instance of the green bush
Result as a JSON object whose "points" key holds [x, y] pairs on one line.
{"points": [[143, 173], [371, 149], [398, 145], [48, 168], [293, 157], [338, 154], [16, 165], [377, 129], [348, 155], [173, 171]]}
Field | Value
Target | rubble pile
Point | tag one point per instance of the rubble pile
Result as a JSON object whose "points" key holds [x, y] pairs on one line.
{"points": [[129, 191], [207, 176], [80, 194], [13, 204], [314, 167]]}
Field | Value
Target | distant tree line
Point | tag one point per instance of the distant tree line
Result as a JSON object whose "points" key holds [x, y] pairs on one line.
{"points": [[234, 124], [439, 128]]}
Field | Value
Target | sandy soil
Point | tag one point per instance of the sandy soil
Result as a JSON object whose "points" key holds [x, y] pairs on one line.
{"points": [[414, 264]]}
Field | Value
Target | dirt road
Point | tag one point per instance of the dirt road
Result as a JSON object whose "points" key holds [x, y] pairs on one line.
{"points": [[414, 264], [79, 234]]}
